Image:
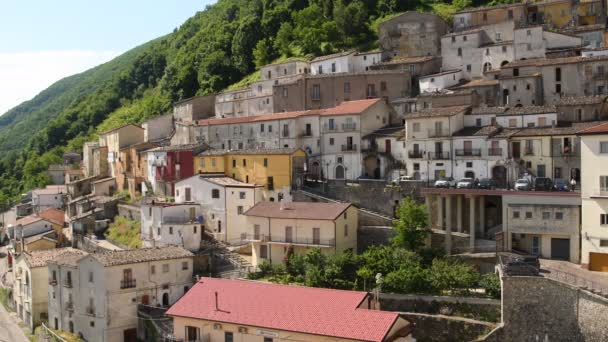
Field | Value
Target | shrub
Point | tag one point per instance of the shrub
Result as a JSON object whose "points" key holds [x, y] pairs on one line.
{"points": [[490, 282]]}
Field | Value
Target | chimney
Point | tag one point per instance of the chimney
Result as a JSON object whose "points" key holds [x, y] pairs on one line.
{"points": [[217, 305]]}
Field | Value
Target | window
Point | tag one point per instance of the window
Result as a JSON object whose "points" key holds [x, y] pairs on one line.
{"points": [[469, 67], [529, 47], [485, 16], [416, 127], [528, 214], [263, 251], [320, 69], [345, 230], [528, 86], [262, 128], [478, 122], [469, 164], [603, 219], [603, 146], [316, 92], [559, 215], [267, 339], [170, 230], [546, 215], [345, 216], [265, 162], [558, 74], [528, 32], [416, 166], [558, 88], [92, 324], [487, 52], [90, 276], [382, 86], [515, 214], [244, 162], [239, 210], [331, 141], [165, 268], [512, 122], [347, 87], [158, 231], [464, 38], [454, 37], [603, 243], [233, 162], [515, 71], [510, 14], [242, 195], [184, 265], [270, 183], [460, 52], [215, 193], [213, 162], [285, 92], [504, 48], [269, 129], [228, 336], [194, 229], [333, 67]]}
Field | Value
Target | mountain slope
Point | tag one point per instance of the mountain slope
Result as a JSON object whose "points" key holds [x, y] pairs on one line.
{"points": [[210, 51]]}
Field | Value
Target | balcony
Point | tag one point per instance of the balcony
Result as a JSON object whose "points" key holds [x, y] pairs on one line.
{"points": [[330, 128], [599, 192], [306, 134], [255, 237], [600, 75], [566, 151], [69, 306], [529, 151], [90, 310], [67, 283], [53, 282], [128, 283], [179, 220], [349, 126], [468, 152], [495, 152], [439, 133], [415, 154], [302, 241], [349, 148], [439, 155], [372, 94]]}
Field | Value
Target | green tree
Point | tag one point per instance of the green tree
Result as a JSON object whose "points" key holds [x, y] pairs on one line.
{"points": [[263, 53], [283, 40], [411, 225], [490, 282], [453, 276]]}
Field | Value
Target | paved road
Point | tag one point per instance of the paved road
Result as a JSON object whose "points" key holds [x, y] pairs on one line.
{"points": [[599, 278], [9, 330]]}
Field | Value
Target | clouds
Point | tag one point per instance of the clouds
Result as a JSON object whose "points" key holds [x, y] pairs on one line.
{"points": [[24, 74]]}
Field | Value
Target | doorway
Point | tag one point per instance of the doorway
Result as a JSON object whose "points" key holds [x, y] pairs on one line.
{"points": [[165, 299]]}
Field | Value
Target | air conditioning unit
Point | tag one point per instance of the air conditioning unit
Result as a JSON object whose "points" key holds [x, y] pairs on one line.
{"points": [[242, 330], [217, 326]]}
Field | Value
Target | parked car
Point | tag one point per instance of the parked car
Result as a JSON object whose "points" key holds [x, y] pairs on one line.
{"points": [[402, 179], [523, 184], [465, 183], [543, 184], [445, 182], [486, 183], [520, 264], [561, 185]]}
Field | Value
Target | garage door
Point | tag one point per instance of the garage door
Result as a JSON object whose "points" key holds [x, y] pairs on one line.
{"points": [[598, 262], [560, 249]]}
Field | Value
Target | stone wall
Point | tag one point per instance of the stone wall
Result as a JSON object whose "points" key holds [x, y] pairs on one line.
{"points": [[542, 309], [483, 309], [373, 195], [368, 236], [438, 328], [130, 211]]}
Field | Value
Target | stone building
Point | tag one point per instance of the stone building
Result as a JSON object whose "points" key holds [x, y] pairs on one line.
{"points": [[412, 34], [194, 108]]}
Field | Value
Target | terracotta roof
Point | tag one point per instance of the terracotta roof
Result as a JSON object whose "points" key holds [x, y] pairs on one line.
{"points": [[552, 61], [335, 55], [389, 131], [529, 110], [28, 220], [482, 131], [227, 181], [479, 83], [582, 100], [43, 257], [489, 8], [408, 60], [345, 108], [172, 148], [440, 111], [570, 129], [488, 110], [132, 256], [598, 129], [318, 311], [54, 215], [119, 127], [288, 151], [298, 210]]}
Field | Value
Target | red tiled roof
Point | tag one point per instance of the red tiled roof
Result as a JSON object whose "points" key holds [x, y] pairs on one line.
{"points": [[599, 129], [27, 220], [299, 309], [298, 210], [345, 108], [53, 215]]}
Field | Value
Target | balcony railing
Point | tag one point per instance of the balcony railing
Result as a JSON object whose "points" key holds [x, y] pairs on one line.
{"points": [[474, 152], [90, 310], [178, 220], [349, 147], [351, 126], [67, 283], [255, 237], [53, 282], [495, 151], [303, 241], [305, 134], [600, 192], [127, 283], [69, 306], [529, 151], [438, 133], [328, 128], [600, 75], [439, 155], [415, 154]]}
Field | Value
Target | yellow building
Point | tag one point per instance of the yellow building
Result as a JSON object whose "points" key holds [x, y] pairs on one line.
{"points": [[556, 13], [30, 288], [219, 310], [277, 229], [275, 169]]}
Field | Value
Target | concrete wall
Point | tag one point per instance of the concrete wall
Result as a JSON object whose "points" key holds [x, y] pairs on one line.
{"points": [[437, 328], [130, 211], [530, 314]]}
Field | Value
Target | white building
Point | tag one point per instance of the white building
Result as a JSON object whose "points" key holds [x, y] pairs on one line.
{"points": [[223, 201], [96, 296], [344, 62], [594, 193], [179, 224], [439, 81], [53, 196]]}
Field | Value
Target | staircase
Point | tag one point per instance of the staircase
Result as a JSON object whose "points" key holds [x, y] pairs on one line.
{"points": [[226, 262]]}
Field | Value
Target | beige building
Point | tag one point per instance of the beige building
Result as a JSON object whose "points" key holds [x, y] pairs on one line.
{"points": [[30, 297], [118, 138], [97, 296], [219, 310], [277, 229], [594, 193]]}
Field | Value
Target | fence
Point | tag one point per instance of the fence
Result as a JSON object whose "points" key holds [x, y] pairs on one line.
{"points": [[574, 280], [51, 335]]}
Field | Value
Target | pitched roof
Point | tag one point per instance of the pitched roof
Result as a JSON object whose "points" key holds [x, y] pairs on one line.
{"points": [[483, 131], [53, 215], [552, 61], [132, 256], [439, 111], [408, 60], [527, 110], [488, 110], [446, 72], [43, 257], [582, 100], [69, 259], [51, 190], [598, 129], [48, 235], [282, 150], [173, 148], [335, 55], [119, 127], [479, 83], [388, 131], [227, 181], [28, 220], [569, 129], [307, 310], [298, 210]]}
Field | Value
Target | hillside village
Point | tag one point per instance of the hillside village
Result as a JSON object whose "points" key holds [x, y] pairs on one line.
{"points": [[497, 123]]}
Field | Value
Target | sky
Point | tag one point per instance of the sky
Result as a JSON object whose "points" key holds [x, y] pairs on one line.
{"points": [[43, 41]]}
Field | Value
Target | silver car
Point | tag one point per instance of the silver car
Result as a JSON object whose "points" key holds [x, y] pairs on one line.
{"points": [[465, 183], [523, 184], [445, 182]]}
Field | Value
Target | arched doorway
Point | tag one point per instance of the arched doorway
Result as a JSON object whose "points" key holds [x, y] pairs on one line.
{"points": [[487, 66], [503, 63], [469, 174], [499, 174], [71, 327], [339, 172], [165, 299]]}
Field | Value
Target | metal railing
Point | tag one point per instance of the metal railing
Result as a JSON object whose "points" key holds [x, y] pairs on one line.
{"points": [[349, 147], [529, 151], [303, 241], [67, 283], [53, 282], [438, 133], [600, 192], [128, 283], [69, 306], [574, 280], [439, 155], [305, 134], [90, 310], [175, 219], [495, 151], [415, 154], [349, 126], [474, 152], [254, 237]]}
